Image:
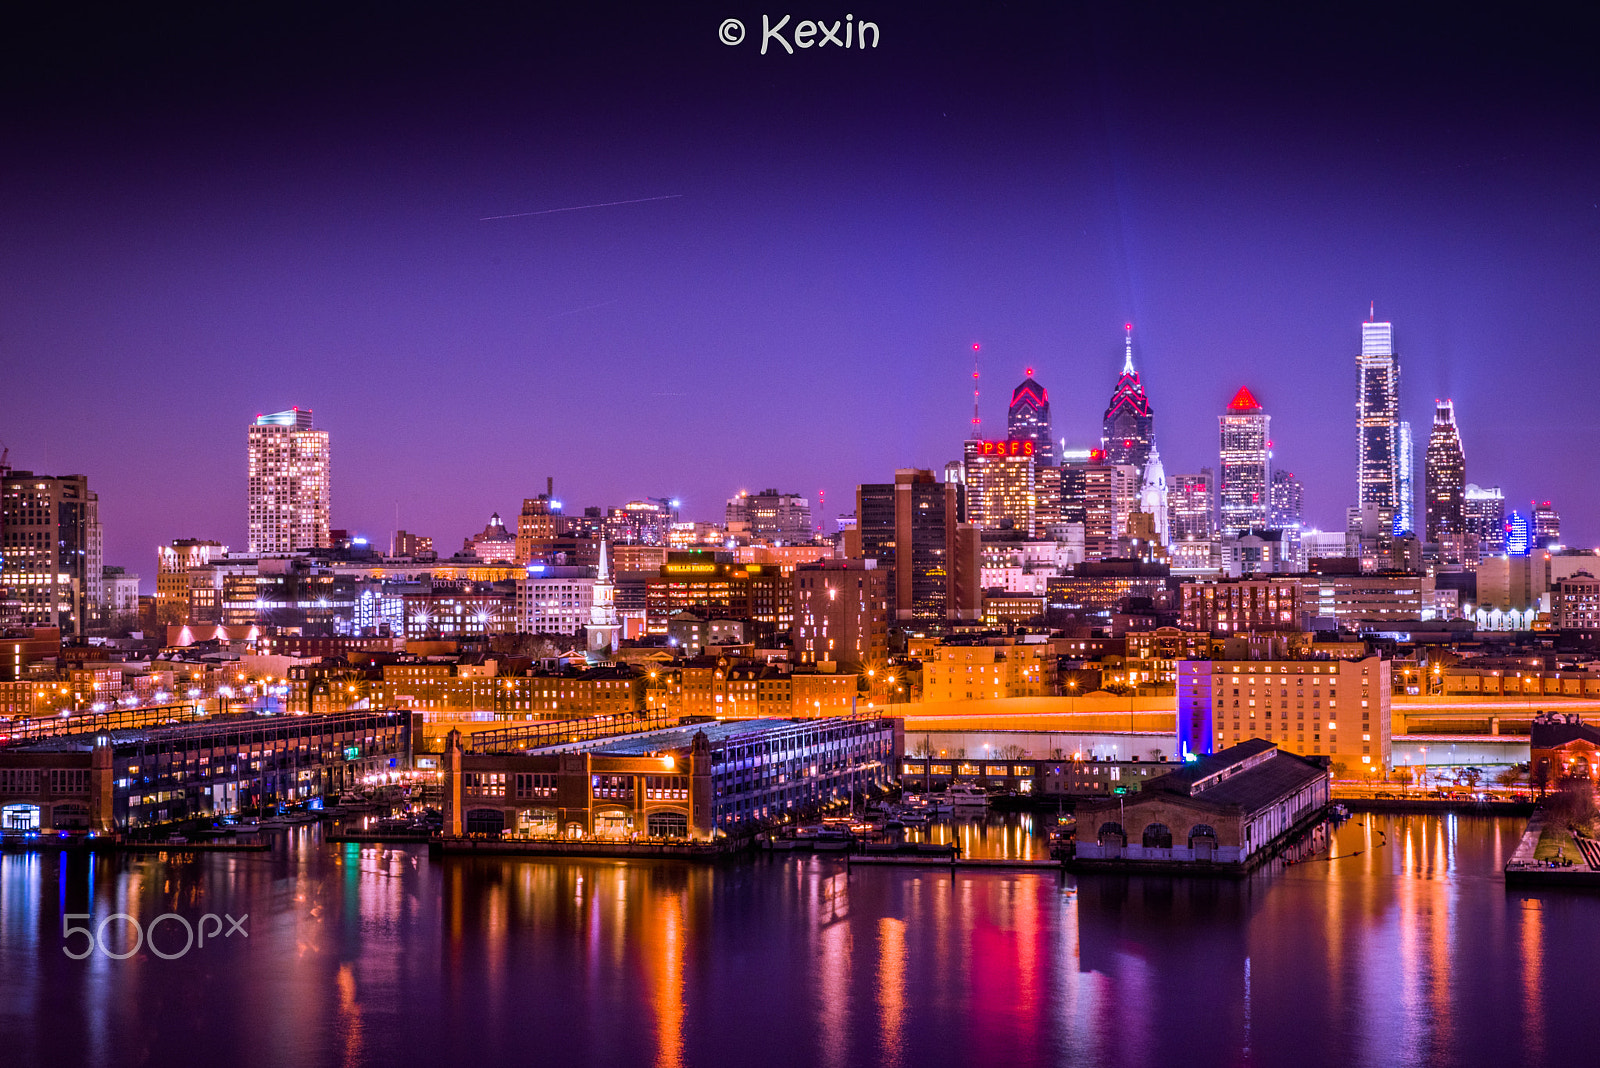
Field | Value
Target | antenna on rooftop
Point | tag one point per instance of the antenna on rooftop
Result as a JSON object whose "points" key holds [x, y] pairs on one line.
{"points": [[977, 424]]}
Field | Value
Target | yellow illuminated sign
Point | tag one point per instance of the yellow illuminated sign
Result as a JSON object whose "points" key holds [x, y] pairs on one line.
{"points": [[691, 569]]}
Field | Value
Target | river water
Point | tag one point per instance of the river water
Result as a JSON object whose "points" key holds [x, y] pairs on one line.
{"points": [[1398, 946]]}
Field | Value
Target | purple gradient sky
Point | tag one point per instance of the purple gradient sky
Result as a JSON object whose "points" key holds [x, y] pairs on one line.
{"points": [[215, 215]]}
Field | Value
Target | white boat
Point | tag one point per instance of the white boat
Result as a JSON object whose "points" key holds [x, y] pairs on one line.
{"points": [[966, 796]]}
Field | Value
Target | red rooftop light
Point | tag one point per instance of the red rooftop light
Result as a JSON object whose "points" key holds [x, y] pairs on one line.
{"points": [[1244, 401]]}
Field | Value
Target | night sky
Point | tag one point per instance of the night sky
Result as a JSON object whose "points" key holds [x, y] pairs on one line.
{"points": [[207, 215]]}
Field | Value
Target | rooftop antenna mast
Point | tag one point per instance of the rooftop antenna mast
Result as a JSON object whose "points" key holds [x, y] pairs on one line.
{"points": [[977, 424]]}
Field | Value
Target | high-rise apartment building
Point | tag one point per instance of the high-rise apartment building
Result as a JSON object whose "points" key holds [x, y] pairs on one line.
{"points": [[1244, 488], [1028, 419], [289, 482], [51, 565], [916, 529], [999, 479], [1190, 514], [1444, 482], [1379, 441], [770, 516], [1128, 429]]}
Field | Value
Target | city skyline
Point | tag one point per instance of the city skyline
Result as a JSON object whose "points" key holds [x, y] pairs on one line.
{"points": [[188, 234]]}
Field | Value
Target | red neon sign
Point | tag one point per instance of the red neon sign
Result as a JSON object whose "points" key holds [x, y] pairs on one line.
{"points": [[1010, 447]]}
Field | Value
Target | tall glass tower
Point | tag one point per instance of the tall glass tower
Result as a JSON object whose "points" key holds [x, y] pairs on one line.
{"points": [[1028, 419], [1444, 478], [1129, 427], [1378, 435]]}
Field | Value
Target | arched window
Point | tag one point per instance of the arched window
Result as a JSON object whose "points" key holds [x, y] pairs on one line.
{"points": [[490, 821], [1112, 832], [1202, 830], [669, 825], [1157, 836]]}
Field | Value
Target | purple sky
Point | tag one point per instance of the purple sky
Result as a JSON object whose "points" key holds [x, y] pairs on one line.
{"points": [[203, 220]]}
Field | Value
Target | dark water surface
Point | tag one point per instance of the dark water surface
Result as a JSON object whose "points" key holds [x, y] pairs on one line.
{"points": [[1409, 951]]}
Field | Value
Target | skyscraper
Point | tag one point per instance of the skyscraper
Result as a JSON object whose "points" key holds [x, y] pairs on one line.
{"points": [[1288, 502], [1444, 482], [1244, 488], [1028, 419], [1000, 481], [1191, 514], [1484, 515], [1129, 427], [288, 484], [51, 565], [1378, 434], [915, 528], [1404, 496], [1546, 526]]}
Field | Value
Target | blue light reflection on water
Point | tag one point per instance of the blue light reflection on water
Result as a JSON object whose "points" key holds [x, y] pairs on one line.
{"points": [[1404, 948]]}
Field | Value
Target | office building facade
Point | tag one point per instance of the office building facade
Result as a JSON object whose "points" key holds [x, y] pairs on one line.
{"points": [[1245, 486], [52, 570]]}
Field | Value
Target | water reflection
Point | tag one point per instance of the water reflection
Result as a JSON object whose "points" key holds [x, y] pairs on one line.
{"points": [[1397, 944]]}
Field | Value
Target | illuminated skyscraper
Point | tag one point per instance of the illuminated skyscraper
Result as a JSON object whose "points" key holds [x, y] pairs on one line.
{"points": [[1444, 480], [1519, 535], [1546, 526], [1379, 442], [1245, 486], [288, 484], [1028, 419], [1288, 501], [1129, 427], [1404, 495], [1484, 515], [916, 529], [1000, 481], [1191, 514]]}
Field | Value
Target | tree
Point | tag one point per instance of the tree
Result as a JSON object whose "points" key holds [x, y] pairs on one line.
{"points": [[1572, 804], [1515, 775], [1010, 752]]}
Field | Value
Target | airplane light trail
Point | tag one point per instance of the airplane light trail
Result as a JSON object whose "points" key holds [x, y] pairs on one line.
{"points": [[579, 207]]}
